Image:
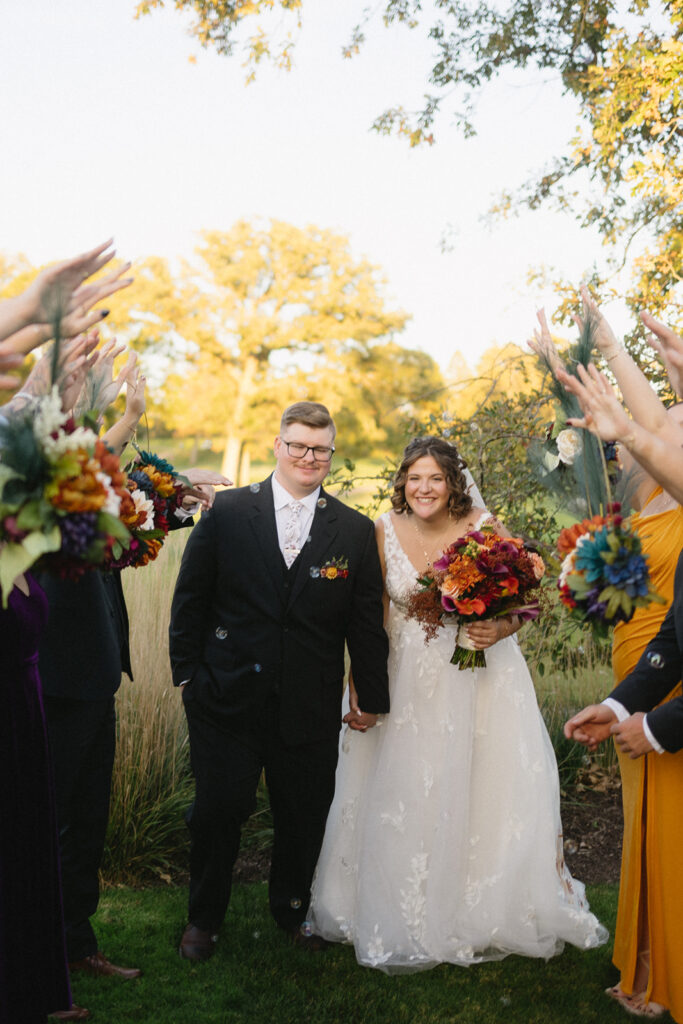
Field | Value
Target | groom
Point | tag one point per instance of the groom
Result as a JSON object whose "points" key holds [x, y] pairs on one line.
{"points": [[274, 581]]}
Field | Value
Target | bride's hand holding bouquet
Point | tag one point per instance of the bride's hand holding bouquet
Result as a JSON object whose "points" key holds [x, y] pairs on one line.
{"points": [[480, 578]]}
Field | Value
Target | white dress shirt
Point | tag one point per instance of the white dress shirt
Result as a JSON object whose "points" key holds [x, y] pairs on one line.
{"points": [[622, 714], [282, 500]]}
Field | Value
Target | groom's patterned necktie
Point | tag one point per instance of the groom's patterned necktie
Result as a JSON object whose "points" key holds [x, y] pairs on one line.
{"points": [[292, 532]]}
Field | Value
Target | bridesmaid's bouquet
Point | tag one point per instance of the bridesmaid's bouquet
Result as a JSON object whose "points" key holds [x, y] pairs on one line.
{"points": [[61, 491], [480, 576], [153, 493], [604, 575]]}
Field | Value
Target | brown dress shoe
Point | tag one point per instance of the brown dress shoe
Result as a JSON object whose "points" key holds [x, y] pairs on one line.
{"points": [[309, 941], [197, 944], [75, 1013], [97, 964]]}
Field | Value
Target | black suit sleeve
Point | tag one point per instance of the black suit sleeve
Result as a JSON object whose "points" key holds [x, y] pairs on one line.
{"points": [[365, 635], [193, 599], [655, 675]]}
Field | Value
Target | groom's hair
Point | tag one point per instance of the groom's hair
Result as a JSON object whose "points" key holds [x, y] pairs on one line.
{"points": [[311, 414]]}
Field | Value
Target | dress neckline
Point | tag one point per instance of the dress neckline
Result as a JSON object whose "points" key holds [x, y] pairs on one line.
{"points": [[419, 572]]}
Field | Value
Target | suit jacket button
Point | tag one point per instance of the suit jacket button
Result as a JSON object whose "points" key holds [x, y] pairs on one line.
{"points": [[221, 633], [257, 667]]}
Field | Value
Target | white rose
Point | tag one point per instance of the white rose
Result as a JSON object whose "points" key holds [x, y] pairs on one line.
{"points": [[567, 567], [144, 504], [112, 503], [569, 445]]}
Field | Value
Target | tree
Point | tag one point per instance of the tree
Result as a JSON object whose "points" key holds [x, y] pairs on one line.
{"points": [[623, 64], [266, 307]]}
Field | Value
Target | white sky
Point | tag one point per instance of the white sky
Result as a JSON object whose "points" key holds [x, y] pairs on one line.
{"points": [[107, 128]]}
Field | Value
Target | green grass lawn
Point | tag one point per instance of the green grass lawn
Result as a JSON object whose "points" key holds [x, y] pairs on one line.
{"points": [[255, 976]]}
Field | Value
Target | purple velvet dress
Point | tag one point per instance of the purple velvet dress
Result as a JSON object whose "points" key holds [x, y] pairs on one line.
{"points": [[34, 978]]}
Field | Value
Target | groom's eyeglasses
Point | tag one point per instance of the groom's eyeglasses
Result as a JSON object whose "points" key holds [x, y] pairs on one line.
{"points": [[296, 450]]}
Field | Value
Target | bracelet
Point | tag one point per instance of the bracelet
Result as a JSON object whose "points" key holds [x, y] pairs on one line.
{"points": [[609, 359]]}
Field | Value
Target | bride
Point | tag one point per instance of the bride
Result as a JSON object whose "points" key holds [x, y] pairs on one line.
{"points": [[444, 840]]}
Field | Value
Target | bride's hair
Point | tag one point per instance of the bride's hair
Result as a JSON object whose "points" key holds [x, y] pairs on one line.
{"points": [[450, 463]]}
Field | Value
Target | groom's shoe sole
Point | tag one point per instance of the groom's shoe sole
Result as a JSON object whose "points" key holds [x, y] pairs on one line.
{"points": [[196, 944]]}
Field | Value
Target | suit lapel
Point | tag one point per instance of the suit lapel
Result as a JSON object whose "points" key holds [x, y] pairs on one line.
{"points": [[322, 533], [262, 520]]}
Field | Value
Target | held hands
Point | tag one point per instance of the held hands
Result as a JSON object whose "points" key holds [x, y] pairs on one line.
{"points": [[631, 737], [591, 726], [359, 721]]}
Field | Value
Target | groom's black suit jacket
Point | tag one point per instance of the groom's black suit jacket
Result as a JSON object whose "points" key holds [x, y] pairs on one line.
{"points": [[658, 671], [244, 628]]}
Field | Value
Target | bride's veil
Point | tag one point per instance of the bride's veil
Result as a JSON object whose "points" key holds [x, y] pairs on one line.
{"points": [[473, 490]]}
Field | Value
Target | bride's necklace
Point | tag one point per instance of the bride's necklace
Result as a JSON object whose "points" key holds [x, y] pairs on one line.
{"points": [[436, 549]]}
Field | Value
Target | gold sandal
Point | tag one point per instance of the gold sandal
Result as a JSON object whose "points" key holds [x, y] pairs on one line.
{"points": [[635, 1004]]}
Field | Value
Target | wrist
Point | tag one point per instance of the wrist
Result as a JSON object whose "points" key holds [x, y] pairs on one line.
{"points": [[613, 352], [130, 423]]}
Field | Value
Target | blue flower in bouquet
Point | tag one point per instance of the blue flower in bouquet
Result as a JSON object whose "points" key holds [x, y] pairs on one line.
{"points": [[162, 465], [589, 552], [629, 572]]}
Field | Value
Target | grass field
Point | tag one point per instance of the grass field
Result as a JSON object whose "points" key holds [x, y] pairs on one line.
{"points": [[255, 977]]}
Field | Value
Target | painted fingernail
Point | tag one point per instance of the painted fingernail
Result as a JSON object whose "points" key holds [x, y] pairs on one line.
{"points": [[103, 313]]}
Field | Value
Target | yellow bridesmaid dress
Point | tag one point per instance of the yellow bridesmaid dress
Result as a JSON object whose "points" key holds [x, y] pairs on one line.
{"points": [[651, 885]]}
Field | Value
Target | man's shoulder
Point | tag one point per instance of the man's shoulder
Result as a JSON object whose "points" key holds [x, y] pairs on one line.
{"points": [[347, 514], [239, 497]]}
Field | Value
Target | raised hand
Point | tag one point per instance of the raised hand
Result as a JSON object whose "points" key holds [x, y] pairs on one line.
{"points": [[136, 401], [202, 487], [669, 347], [543, 345], [102, 387], [603, 335], [58, 294], [604, 415]]}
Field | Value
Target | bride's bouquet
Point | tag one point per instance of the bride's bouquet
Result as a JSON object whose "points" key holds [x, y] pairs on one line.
{"points": [[61, 490], [480, 576], [604, 575]]}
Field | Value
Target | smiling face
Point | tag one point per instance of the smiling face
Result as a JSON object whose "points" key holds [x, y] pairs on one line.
{"points": [[426, 489], [300, 476]]}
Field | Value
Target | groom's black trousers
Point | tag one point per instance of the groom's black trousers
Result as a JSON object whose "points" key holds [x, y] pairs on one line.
{"points": [[227, 769]]}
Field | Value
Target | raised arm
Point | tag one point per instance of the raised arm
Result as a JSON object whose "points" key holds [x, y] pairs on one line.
{"points": [[669, 347], [58, 295], [122, 432], [605, 416], [637, 392]]}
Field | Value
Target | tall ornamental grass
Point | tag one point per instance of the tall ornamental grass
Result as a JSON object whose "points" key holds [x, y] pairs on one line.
{"points": [[152, 784]]}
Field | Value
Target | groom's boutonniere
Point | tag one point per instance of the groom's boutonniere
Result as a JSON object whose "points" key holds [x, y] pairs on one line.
{"points": [[335, 569]]}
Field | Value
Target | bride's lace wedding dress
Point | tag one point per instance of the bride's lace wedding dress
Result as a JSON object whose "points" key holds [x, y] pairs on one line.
{"points": [[443, 843]]}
